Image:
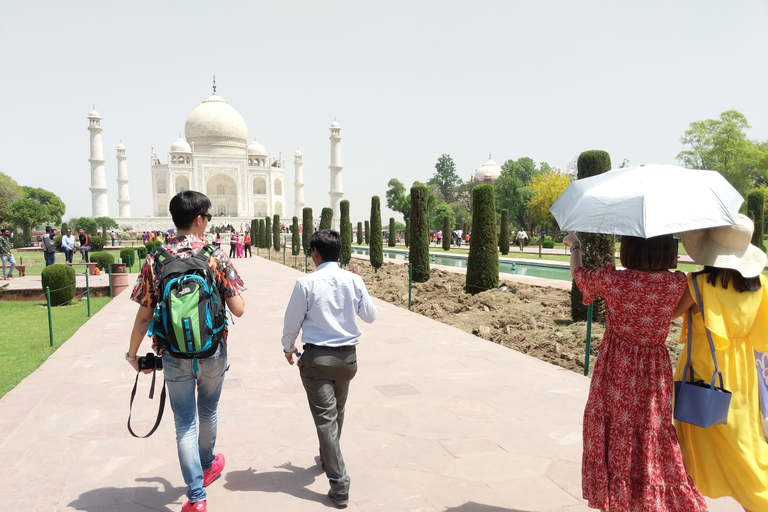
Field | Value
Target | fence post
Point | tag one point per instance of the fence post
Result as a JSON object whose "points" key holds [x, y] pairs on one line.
{"points": [[87, 291], [589, 340], [50, 323]]}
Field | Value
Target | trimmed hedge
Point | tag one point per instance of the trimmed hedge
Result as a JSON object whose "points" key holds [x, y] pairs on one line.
{"points": [[418, 252], [548, 243], [483, 260], [262, 234], [504, 233], [446, 240], [756, 212], [141, 252], [392, 238], [97, 242], [128, 256], [276, 232], [376, 248], [307, 229], [150, 246], [254, 232], [359, 233], [102, 259], [60, 279], [326, 218], [295, 237], [407, 232], [366, 234], [268, 232], [346, 232]]}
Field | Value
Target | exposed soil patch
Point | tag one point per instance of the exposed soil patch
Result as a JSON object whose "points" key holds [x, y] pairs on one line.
{"points": [[530, 319]]}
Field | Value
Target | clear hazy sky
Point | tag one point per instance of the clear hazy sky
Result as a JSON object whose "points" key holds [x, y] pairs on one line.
{"points": [[406, 80]]}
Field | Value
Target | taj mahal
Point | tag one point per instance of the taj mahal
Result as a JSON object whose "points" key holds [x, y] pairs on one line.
{"points": [[242, 181]]}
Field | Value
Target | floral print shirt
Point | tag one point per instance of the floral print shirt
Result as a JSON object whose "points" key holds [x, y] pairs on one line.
{"points": [[5, 245]]}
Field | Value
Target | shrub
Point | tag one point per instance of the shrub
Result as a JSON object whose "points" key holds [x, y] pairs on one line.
{"points": [[57, 242], [268, 232], [262, 234], [97, 242], [407, 232], [597, 250], [418, 252], [60, 279], [295, 237], [392, 239], [446, 233], [326, 218], [504, 233], [254, 232], [359, 233], [128, 256], [307, 229], [141, 252], [151, 246], [276, 232], [102, 259], [346, 232], [63, 227], [366, 234], [756, 212], [376, 250], [483, 260], [548, 243]]}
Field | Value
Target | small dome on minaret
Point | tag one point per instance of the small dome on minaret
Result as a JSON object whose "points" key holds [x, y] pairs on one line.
{"points": [[180, 146]]}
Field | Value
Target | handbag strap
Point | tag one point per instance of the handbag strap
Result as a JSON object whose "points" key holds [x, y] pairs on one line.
{"points": [[160, 409], [709, 339]]}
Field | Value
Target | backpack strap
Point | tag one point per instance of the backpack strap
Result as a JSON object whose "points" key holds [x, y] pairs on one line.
{"points": [[160, 409], [205, 252]]}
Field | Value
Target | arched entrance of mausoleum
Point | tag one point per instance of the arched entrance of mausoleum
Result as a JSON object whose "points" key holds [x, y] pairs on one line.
{"points": [[222, 191]]}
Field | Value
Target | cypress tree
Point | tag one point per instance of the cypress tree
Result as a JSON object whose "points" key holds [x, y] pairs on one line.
{"points": [[295, 237], [359, 233], [756, 212], [307, 229], [63, 228], [346, 232], [326, 217], [418, 252], [262, 234], [504, 233], [483, 260], [276, 232], [367, 231], [376, 248], [597, 250], [392, 241], [268, 231], [407, 232], [446, 233], [254, 232]]}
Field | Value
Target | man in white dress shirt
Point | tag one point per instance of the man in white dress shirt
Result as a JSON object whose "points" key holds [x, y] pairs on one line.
{"points": [[324, 306]]}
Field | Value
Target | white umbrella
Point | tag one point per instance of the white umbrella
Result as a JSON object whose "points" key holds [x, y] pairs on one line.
{"points": [[646, 201]]}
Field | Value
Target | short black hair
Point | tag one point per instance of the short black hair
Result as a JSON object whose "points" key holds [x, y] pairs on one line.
{"points": [[48, 229], [186, 206], [644, 254], [328, 244], [726, 275]]}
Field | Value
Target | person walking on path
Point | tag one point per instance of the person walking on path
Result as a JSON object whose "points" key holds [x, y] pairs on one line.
{"points": [[6, 255], [68, 244], [522, 236], [85, 245], [325, 305], [732, 459], [195, 445], [49, 246], [632, 459], [247, 244], [233, 244]]}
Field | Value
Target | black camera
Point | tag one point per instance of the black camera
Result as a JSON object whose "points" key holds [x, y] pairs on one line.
{"points": [[150, 362]]}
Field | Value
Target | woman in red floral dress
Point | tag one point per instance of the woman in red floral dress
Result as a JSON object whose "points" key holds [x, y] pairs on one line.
{"points": [[632, 460]]}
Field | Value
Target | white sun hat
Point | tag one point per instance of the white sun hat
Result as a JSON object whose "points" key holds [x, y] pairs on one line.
{"points": [[726, 247]]}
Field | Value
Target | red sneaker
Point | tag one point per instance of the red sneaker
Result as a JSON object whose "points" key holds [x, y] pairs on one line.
{"points": [[199, 506], [216, 468]]}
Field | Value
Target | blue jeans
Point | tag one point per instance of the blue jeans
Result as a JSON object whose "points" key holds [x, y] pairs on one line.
{"points": [[8, 258], [195, 445], [68, 254], [50, 258]]}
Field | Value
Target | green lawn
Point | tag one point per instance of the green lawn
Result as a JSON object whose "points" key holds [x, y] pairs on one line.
{"points": [[35, 261], [24, 339]]}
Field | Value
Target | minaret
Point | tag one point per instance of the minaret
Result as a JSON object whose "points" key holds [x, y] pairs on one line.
{"points": [[337, 190], [99, 206], [123, 199], [298, 185]]}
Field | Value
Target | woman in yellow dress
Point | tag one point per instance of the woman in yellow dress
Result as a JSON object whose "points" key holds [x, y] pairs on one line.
{"points": [[727, 460]]}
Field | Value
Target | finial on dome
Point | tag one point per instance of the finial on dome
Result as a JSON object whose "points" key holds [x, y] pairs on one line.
{"points": [[214, 83], [489, 155]]}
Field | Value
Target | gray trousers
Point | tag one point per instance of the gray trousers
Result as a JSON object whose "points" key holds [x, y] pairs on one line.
{"points": [[326, 373]]}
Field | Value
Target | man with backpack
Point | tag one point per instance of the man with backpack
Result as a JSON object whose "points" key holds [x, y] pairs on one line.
{"points": [[178, 283]]}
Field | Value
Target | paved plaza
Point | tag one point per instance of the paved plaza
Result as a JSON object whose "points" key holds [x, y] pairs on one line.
{"points": [[437, 420]]}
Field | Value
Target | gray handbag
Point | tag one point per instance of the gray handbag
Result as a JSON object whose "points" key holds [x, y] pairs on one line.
{"points": [[700, 403]]}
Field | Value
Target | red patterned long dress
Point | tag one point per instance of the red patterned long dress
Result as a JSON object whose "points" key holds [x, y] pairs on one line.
{"points": [[632, 460]]}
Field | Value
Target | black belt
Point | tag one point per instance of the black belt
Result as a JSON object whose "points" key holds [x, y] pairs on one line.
{"points": [[343, 348]]}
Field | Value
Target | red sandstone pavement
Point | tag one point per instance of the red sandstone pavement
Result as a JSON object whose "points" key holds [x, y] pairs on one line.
{"points": [[437, 420]]}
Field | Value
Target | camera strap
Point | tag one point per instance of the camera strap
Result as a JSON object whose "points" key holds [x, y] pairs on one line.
{"points": [[151, 396]]}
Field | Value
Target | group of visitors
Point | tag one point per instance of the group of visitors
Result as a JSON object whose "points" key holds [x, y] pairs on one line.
{"points": [[634, 457], [239, 244]]}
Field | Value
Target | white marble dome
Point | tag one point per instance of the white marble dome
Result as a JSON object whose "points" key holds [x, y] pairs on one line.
{"points": [[94, 115], [488, 172], [120, 146], [297, 153], [256, 149], [180, 146], [215, 123]]}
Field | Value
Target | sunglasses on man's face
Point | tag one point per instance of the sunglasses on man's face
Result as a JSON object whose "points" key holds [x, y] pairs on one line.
{"points": [[207, 216]]}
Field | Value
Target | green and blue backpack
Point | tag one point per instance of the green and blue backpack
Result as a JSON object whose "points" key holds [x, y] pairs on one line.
{"points": [[190, 315]]}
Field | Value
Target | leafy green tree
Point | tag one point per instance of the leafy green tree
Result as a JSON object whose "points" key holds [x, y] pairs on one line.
{"points": [[276, 232], [376, 248], [10, 191], [461, 214], [307, 230], [756, 212], [442, 212], [513, 188], [446, 178], [367, 232], [597, 250], [268, 231], [504, 233], [326, 218], [392, 239], [87, 224], [36, 206], [359, 233], [546, 187], [722, 145], [106, 223], [483, 259], [263, 234], [447, 234], [464, 195], [346, 232], [418, 252], [397, 200], [295, 237]]}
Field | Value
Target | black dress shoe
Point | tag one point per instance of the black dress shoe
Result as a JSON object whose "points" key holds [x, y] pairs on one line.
{"points": [[339, 500]]}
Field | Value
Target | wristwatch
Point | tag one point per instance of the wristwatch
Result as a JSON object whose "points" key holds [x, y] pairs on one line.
{"points": [[129, 358]]}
